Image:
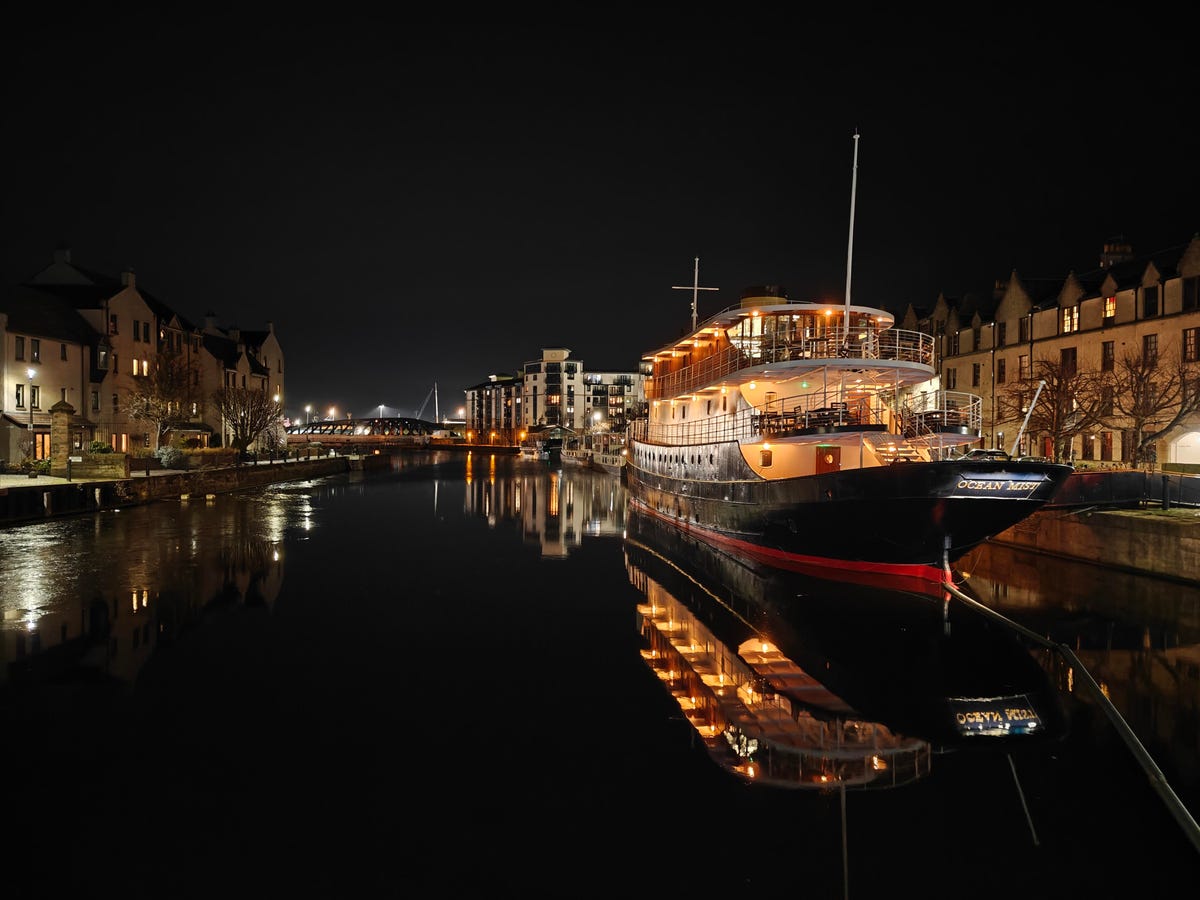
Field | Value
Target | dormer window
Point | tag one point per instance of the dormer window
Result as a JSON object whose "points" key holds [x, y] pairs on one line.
{"points": [[1149, 302], [1191, 293], [1110, 310], [1070, 319]]}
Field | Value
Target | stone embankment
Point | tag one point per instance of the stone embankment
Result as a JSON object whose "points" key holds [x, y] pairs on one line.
{"points": [[24, 500], [1162, 543]]}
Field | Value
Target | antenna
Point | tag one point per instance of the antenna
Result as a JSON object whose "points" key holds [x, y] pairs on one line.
{"points": [[850, 245], [695, 288]]}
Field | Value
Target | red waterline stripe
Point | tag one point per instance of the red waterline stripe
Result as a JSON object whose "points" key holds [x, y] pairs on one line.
{"points": [[919, 577]]}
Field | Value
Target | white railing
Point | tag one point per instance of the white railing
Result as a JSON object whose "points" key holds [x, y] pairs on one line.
{"points": [[932, 411], [889, 344], [781, 416]]}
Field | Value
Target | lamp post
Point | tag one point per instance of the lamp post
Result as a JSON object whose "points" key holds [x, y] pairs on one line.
{"points": [[32, 445], [31, 372], [308, 414]]}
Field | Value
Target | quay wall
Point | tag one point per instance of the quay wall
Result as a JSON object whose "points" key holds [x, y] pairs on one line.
{"points": [[21, 504], [1160, 544]]}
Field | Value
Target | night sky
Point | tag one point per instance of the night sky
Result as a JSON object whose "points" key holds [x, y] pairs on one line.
{"points": [[415, 201]]}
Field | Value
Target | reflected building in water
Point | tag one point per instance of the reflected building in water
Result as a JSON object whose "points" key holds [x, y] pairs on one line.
{"points": [[64, 616], [556, 507], [1138, 637]]}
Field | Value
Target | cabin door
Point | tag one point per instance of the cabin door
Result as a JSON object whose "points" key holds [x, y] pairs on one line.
{"points": [[829, 459]]}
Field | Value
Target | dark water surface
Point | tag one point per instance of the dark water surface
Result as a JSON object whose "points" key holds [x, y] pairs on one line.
{"points": [[433, 680]]}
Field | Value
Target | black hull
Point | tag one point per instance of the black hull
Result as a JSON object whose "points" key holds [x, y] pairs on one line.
{"points": [[921, 514]]}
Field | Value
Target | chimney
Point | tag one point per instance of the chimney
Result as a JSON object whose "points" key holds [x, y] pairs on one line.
{"points": [[210, 323], [1116, 250], [62, 254], [128, 279]]}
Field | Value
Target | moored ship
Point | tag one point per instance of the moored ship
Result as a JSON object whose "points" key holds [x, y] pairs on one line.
{"points": [[816, 434], [793, 433]]}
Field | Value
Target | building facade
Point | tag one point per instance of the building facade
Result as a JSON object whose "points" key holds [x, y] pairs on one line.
{"points": [[92, 341], [553, 391], [1132, 309]]}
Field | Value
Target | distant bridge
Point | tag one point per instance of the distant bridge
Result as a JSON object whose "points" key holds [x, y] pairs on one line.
{"points": [[377, 434], [374, 433], [376, 425]]}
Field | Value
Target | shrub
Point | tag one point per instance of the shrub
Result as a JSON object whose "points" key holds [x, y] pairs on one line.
{"points": [[99, 447], [170, 457]]}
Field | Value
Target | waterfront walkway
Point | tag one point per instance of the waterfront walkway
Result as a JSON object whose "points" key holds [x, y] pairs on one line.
{"points": [[24, 481]]}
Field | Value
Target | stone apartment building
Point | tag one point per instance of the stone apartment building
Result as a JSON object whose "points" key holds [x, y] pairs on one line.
{"points": [[71, 335], [992, 346]]}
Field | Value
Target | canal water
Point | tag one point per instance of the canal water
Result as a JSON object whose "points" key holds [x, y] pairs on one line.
{"points": [[462, 675]]}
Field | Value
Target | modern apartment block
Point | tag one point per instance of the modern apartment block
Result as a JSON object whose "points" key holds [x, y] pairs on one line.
{"points": [[71, 335], [552, 391], [1135, 309]]}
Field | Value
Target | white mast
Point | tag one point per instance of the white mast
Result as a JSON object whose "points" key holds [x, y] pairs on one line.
{"points": [[850, 245], [436, 417], [694, 287]]}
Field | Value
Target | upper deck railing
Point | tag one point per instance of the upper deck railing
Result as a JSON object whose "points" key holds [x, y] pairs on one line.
{"points": [[935, 418], [891, 344]]}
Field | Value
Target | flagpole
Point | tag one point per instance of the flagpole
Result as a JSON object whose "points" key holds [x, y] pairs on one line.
{"points": [[850, 245]]}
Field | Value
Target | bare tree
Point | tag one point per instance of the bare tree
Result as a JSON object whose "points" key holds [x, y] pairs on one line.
{"points": [[248, 412], [1069, 403], [163, 397], [1152, 393]]}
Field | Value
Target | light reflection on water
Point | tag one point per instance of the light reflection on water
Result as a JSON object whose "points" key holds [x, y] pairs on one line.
{"points": [[480, 609]]}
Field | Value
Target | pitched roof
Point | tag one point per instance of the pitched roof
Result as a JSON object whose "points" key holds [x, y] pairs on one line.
{"points": [[45, 315], [1128, 272]]}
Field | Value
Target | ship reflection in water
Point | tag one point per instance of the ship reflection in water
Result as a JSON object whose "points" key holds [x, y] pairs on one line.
{"points": [[799, 682]]}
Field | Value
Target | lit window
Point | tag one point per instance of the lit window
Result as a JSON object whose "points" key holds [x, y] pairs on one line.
{"points": [[1070, 319]]}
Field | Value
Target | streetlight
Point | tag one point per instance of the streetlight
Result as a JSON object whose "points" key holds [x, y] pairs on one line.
{"points": [[308, 414], [381, 410], [32, 448]]}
